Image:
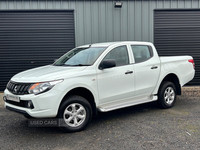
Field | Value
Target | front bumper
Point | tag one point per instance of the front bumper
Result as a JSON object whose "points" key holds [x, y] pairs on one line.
{"points": [[45, 105]]}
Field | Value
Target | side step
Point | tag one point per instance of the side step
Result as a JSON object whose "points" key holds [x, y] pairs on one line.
{"points": [[127, 104]]}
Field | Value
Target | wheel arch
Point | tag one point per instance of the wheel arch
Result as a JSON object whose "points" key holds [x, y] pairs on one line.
{"points": [[174, 79], [85, 93]]}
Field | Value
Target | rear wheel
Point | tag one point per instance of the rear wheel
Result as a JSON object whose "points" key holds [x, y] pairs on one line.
{"points": [[167, 95], [75, 114]]}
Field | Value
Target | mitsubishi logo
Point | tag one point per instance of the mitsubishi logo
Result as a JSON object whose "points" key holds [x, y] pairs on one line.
{"points": [[15, 89]]}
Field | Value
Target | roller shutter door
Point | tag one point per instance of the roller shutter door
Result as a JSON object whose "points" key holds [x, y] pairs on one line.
{"points": [[177, 32], [30, 39]]}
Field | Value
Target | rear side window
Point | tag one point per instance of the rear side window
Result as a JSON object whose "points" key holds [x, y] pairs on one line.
{"points": [[141, 53]]}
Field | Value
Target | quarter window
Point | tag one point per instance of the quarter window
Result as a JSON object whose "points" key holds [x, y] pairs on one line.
{"points": [[120, 55], [141, 53]]}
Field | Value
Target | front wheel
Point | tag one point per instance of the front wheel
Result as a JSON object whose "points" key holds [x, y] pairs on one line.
{"points": [[75, 114], [28, 117], [167, 95]]}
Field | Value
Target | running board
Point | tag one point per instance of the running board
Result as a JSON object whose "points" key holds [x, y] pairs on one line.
{"points": [[127, 104]]}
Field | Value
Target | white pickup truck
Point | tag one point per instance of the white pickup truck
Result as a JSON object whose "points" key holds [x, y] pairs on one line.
{"points": [[98, 77]]}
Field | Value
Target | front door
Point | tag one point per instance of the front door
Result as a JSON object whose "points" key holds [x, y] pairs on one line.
{"points": [[116, 85]]}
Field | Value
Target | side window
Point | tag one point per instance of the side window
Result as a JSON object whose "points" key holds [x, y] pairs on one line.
{"points": [[141, 53], [120, 55]]}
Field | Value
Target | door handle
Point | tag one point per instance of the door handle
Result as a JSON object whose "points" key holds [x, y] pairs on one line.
{"points": [[128, 72], [154, 67]]}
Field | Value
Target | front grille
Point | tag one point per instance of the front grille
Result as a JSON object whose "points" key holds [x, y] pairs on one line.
{"points": [[18, 88]]}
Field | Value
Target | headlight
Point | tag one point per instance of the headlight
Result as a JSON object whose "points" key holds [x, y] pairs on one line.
{"points": [[41, 87]]}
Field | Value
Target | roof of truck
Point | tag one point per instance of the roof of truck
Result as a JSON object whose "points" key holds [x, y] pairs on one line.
{"points": [[106, 44]]}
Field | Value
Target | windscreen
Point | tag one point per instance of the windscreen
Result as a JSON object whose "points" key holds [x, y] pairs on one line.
{"points": [[80, 57]]}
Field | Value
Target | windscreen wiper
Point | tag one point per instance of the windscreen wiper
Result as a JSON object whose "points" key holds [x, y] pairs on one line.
{"points": [[80, 65], [72, 65]]}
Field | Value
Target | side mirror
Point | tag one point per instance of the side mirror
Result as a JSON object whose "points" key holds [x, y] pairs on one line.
{"points": [[108, 63]]}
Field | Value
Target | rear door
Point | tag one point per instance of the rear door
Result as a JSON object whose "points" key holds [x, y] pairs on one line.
{"points": [[147, 69]]}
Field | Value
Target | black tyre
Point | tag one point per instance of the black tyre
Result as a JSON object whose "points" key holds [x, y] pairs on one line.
{"points": [[28, 117], [75, 114], [167, 95]]}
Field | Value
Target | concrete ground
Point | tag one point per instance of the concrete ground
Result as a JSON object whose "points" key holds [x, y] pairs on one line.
{"points": [[141, 127], [1, 99]]}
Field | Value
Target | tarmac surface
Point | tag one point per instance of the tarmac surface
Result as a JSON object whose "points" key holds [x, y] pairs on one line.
{"points": [[141, 127]]}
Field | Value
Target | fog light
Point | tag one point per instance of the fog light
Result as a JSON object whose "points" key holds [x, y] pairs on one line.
{"points": [[30, 104]]}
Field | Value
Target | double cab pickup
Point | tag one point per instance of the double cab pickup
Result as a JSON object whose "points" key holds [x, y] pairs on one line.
{"points": [[98, 77]]}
